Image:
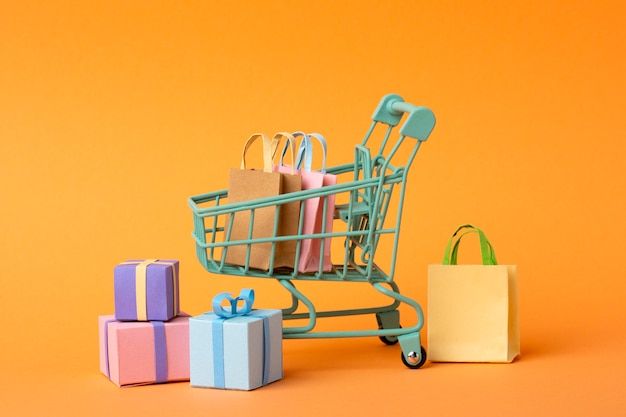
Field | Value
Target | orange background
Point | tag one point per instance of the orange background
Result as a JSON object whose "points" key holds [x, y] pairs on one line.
{"points": [[113, 113]]}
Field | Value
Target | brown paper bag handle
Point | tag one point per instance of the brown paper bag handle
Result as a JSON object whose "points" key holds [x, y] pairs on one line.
{"points": [[268, 151], [292, 147]]}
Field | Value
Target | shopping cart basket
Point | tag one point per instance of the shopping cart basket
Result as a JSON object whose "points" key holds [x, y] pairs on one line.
{"points": [[363, 215]]}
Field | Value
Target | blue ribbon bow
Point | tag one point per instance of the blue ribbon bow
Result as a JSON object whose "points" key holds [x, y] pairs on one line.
{"points": [[247, 296]]}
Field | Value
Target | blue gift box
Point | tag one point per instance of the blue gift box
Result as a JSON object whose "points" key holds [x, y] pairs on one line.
{"points": [[240, 349]]}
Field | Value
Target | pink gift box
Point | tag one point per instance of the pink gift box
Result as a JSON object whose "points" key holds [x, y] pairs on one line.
{"points": [[139, 353]]}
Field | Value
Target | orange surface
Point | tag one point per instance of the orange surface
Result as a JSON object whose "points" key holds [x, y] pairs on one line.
{"points": [[112, 113]]}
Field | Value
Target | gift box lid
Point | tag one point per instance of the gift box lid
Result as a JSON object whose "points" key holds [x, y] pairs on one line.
{"points": [[254, 315]]}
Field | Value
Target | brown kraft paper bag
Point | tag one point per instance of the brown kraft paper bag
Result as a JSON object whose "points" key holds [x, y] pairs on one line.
{"points": [[249, 184]]}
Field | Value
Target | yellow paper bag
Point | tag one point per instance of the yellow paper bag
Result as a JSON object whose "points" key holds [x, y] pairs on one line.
{"points": [[472, 309]]}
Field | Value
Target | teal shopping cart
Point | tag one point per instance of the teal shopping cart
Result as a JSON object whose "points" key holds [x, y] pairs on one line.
{"points": [[361, 213]]}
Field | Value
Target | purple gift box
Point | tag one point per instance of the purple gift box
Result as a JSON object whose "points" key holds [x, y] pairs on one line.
{"points": [[146, 290]]}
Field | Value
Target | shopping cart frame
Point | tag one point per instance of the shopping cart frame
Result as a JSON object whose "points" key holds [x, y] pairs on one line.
{"points": [[369, 195]]}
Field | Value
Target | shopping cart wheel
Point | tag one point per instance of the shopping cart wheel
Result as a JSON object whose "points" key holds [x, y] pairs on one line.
{"points": [[389, 340], [388, 320], [414, 365]]}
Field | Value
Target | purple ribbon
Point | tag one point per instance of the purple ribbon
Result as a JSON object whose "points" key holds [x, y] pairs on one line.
{"points": [[160, 351]]}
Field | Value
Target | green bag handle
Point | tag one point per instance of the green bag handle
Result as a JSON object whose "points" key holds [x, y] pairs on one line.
{"points": [[455, 251], [486, 250]]}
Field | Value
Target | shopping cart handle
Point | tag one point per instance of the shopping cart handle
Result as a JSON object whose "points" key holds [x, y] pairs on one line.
{"points": [[418, 124], [398, 107]]}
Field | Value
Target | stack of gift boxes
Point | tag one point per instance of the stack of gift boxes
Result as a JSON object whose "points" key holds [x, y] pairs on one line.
{"points": [[149, 340]]}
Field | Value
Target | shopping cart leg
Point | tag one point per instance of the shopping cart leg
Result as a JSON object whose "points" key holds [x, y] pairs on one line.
{"points": [[289, 313], [390, 319], [413, 355], [309, 305], [294, 306]]}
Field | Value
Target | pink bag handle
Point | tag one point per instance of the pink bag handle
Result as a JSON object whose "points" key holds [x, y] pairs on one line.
{"points": [[305, 151]]}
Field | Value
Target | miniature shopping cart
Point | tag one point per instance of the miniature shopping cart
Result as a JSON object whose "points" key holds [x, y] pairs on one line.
{"points": [[362, 225]]}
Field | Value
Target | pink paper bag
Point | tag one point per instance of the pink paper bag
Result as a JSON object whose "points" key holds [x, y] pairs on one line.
{"points": [[310, 249]]}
